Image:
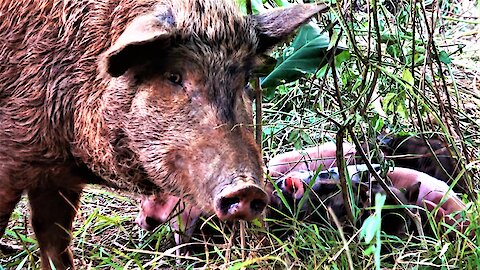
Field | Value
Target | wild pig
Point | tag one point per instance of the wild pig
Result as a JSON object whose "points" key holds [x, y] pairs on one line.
{"points": [[147, 96], [157, 209]]}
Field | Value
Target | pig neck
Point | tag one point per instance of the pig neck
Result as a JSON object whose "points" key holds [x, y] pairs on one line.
{"points": [[95, 140]]}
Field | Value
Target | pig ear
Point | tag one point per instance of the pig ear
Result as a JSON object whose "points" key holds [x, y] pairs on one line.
{"points": [[141, 37], [412, 192], [275, 25]]}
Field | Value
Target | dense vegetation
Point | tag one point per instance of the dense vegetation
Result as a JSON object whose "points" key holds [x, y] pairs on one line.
{"points": [[391, 67]]}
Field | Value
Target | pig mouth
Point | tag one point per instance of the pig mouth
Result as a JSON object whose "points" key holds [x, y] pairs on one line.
{"points": [[240, 200]]}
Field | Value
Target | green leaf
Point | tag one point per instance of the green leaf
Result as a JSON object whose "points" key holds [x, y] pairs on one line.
{"points": [[370, 228], [444, 57], [256, 223], [282, 3], [306, 54], [402, 110], [257, 6], [342, 57], [305, 137], [293, 135], [389, 102], [378, 124], [394, 50], [379, 202], [369, 250], [408, 77]]}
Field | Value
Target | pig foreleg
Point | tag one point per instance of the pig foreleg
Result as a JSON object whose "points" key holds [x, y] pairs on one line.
{"points": [[53, 210], [9, 198]]}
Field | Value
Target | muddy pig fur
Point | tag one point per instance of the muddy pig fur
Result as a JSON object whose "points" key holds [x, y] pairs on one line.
{"points": [[148, 96]]}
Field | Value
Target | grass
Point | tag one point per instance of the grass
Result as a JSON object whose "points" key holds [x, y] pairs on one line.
{"points": [[106, 238], [392, 82]]}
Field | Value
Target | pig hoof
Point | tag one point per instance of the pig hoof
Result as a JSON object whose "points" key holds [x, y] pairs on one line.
{"points": [[244, 202]]}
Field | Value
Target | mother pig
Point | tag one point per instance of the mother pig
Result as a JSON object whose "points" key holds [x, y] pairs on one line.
{"points": [[142, 95]]}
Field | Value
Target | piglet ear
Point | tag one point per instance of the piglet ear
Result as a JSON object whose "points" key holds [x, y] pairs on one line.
{"points": [[144, 36], [275, 25]]}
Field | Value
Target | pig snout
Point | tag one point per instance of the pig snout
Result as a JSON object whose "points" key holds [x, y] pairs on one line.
{"points": [[293, 185], [156, 210], [243, 201], [147, 223]]}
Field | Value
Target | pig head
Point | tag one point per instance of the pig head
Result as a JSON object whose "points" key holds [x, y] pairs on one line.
{"points": [[177, 101]]}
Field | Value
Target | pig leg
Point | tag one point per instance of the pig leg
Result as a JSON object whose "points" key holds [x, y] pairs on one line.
{"points": [[53, 210], [8, 200]]}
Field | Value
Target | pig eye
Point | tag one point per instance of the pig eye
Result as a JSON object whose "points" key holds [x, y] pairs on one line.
{"points": [[250, 91], [174, 78]]}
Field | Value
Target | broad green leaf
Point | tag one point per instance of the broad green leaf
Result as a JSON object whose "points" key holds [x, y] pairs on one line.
{"points": [[402, 110], [342, 57], [444, 57], [378, 124], [305, 55]]}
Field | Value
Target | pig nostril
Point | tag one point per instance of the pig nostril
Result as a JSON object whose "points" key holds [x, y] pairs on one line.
{"points": [[151, 222], [258, 205], [227, 203]]}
